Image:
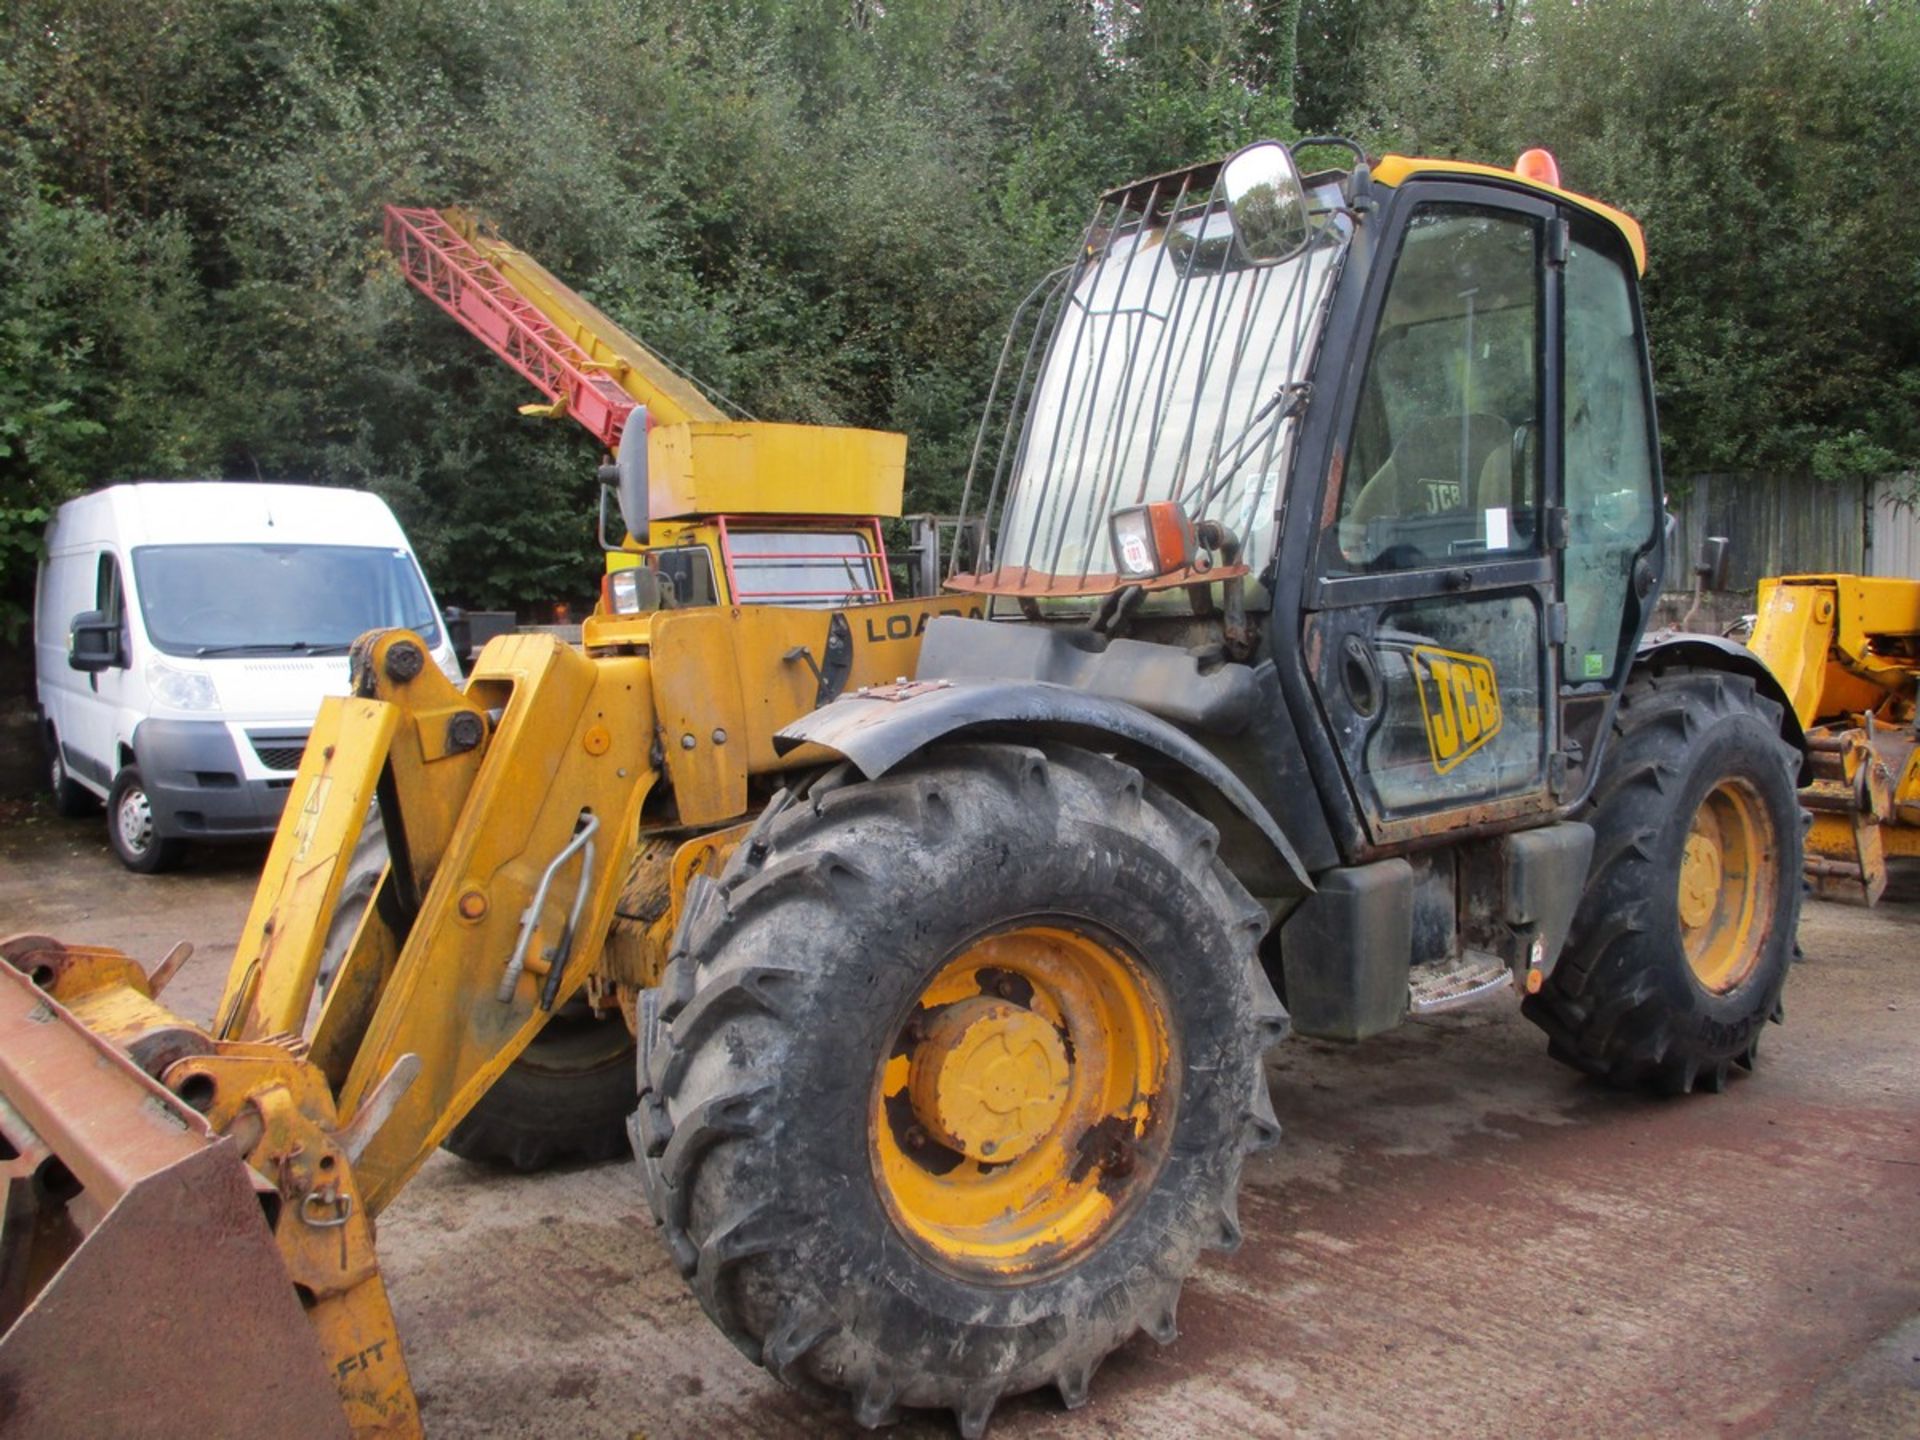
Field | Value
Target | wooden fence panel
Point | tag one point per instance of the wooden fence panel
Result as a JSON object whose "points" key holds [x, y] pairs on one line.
{"points": [[1779, 525], [1895, 547]]}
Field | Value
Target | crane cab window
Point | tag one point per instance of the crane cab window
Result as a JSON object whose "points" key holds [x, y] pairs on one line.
{"points": [[820, 569], [1444, 463]]}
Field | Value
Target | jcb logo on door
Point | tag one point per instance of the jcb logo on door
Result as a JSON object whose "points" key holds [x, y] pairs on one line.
{"points": [[1459, 701]]}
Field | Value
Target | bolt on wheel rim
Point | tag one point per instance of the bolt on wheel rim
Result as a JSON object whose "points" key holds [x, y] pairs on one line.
{"points": [[135, 817], [1025, 1104], [1726, 886]]}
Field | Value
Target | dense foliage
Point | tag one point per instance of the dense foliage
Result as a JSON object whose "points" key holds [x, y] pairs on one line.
{"points": [[826, 208], [1761, 142]]}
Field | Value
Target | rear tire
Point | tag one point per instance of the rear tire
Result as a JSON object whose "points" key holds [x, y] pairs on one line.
{"points": [[133, 830], [70, 797], [776, 1111], [566, 1097], [1681, 945]]}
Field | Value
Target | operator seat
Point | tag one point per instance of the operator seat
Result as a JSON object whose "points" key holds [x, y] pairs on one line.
{"points": [[1421, 482]]}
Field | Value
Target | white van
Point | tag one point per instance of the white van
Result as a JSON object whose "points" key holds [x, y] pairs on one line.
{"points": [[184, 636]]}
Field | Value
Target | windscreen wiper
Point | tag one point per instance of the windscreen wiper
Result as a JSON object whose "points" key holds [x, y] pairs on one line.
{"points": [[276, 647]]}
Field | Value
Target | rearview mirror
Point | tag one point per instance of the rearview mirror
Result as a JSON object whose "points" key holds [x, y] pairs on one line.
{"points": [[93, 643], [1267, 202], [630, 474]]}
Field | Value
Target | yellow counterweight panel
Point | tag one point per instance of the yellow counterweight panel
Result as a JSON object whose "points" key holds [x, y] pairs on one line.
{"points": [[722, 467]]}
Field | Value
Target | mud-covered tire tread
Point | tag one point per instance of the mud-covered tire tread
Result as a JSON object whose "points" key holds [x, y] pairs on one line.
{"points": [[1621, 1005], [720, 1033]]}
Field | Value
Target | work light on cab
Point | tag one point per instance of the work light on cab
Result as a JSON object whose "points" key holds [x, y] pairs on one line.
{"points": [[1153, 540]]}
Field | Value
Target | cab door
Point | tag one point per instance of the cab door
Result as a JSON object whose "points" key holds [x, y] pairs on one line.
{"points": [[1432, 620]]}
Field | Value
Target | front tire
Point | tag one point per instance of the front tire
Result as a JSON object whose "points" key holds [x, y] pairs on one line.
{"points": [[133, 829], [1681, 945], [952, 1075]]}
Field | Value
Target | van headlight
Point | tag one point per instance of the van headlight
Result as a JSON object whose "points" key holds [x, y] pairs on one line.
{"points": [[181, 689]]}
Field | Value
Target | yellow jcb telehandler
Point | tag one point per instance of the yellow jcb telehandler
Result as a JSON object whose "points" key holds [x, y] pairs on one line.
{"points": [[1298, 677]]}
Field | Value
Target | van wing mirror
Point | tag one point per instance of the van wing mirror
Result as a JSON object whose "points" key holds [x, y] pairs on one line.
{"points": [[93, 643]]}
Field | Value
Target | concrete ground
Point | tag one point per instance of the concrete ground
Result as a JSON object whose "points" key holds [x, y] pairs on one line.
{"points": [[1457, 1236]]}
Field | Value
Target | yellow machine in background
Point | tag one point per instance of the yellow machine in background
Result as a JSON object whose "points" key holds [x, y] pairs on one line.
{"points": [[1847, 650]]}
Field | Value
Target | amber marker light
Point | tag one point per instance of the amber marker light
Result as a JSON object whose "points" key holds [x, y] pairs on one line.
{"points": [[1152, 540], [1538, 166]]}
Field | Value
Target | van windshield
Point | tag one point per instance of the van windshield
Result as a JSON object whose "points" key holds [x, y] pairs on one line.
{"points": [[277, 599]]}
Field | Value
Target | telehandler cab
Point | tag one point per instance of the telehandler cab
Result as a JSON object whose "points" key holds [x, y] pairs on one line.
{"points": [[1299, 672]]}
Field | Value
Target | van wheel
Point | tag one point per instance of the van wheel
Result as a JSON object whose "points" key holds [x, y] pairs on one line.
{"points": [[70, 797], [132, 829]]}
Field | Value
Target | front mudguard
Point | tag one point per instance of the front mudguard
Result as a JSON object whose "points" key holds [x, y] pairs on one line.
{"points": [[879, 727]]}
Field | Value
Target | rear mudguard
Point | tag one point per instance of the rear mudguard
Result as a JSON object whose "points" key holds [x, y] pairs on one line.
{"points": [[881, 726]]}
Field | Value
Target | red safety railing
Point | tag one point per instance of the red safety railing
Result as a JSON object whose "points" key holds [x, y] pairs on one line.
{"points": [[440, 263], [873, 556]]}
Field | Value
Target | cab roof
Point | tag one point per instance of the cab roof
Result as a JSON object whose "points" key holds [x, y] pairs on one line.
{"points": [[1397, 169]]}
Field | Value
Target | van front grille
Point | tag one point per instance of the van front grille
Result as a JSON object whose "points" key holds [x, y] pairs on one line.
{"points": [[279, 752]]}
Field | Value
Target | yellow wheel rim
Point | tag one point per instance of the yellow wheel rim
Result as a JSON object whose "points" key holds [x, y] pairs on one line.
{"points": [[1024, 1105], [1727, 886]]}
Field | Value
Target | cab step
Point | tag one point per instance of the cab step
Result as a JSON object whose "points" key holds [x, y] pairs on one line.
{"points": [[1449, 985]]}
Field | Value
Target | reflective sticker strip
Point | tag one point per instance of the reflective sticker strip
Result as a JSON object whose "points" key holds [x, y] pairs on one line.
{"points": [[1459, 700]]}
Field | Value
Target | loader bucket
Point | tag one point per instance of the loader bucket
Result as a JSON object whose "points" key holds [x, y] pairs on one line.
{"points": [[141, 1292]]}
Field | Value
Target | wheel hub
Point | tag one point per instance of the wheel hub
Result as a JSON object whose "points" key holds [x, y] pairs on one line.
{"points": [[1700, 872], [1026, 1102], [1727, 885], [136, 821], [990, 1079]]}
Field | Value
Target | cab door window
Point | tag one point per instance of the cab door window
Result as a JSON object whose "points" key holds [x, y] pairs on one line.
{"points": [[1609, 459], [1444, 465]]}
